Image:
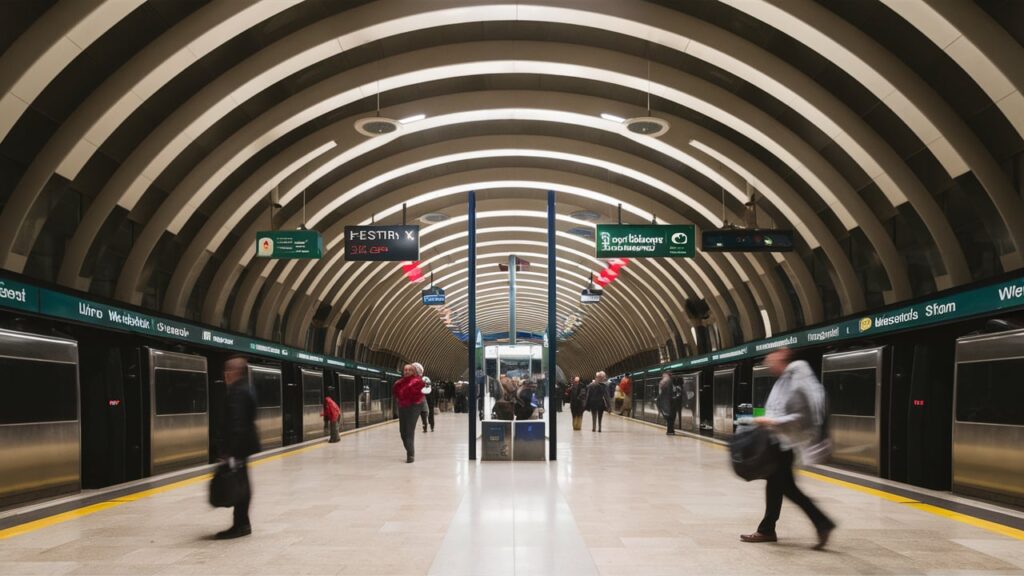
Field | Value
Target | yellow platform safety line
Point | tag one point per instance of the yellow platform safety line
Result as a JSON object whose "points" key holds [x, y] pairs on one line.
{"points": [[995, 527], [93, 508]]}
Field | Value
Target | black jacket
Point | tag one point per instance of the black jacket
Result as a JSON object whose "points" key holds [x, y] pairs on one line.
{"points": [[238, 431], [597, 397]]}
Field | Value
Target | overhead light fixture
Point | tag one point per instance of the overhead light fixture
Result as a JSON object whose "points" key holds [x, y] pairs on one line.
{"points": [[434, 217], [612, 117], [376, 125], [647, 125], [410, 119]]}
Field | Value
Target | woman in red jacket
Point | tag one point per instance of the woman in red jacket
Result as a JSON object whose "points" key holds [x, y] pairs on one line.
{"points": [[408, 393]]}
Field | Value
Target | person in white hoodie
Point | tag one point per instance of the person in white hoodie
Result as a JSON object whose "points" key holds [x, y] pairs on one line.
{"points": [[795, 413]]}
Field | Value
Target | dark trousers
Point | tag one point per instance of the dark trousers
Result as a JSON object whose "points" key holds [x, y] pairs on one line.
{"points": [[595, 419], [427, 416], [670, 420], [780, 484], [241, 512], [407, 418]]}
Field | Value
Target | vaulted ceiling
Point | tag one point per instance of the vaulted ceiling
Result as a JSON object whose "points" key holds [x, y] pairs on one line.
{"points": [[142, 143]]}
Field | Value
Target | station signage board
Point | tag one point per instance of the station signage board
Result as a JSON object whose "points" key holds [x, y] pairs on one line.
{"points": [[433, 296], [20, 296], [746, 240], [290, 244], [382, 243], [646, 241], [590, 296]]}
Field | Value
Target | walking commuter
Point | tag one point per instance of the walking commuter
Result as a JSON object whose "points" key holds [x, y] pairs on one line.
{"points": [[430, 394], [597, 400], [795, 413], [577, 402], [239, 439], [666, 405], [332, 413], [626, 387], [408, 393]]}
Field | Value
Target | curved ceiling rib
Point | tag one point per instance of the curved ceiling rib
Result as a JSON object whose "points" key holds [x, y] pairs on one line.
{"points": [[892, 159]]}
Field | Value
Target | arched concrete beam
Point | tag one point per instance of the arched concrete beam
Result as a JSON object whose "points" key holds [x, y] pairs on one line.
{"points": [[709, 100]]}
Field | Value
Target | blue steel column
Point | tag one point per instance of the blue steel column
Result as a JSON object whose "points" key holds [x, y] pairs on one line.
{"points": [[552, 330], [471, 332], [511, 299]]}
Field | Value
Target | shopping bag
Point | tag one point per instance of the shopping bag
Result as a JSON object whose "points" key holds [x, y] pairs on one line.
{"points": [[228, 486], [755, 453]]}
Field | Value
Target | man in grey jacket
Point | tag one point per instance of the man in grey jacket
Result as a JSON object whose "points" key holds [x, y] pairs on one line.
{"points": [[795, 413]]}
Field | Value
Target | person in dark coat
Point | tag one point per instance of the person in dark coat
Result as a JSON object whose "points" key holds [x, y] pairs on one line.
{"points": [[430, 394], [666, 405], [597, 400], [577, 402], [239, 438]]}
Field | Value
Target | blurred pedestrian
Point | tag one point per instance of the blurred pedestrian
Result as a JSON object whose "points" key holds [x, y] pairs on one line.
{"points": [[408, 393], [332, 413], [239, 439], [430, 395], [597, 400], [666, 404], [577, 402]]}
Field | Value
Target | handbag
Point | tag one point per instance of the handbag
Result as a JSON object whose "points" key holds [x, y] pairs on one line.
{"points": [[754, 452], [228, 486]]}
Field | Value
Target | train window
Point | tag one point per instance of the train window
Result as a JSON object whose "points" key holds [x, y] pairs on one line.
{"points": [[991, 392], [180, 392], [37, 391], [851, 392], [267, 386], [762, 388], [347, 388], [312, 390]]}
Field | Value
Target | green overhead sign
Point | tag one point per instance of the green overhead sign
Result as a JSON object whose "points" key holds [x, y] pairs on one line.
{"points": [[977, 302], [306, 244], [646, 241], [24, 297]]}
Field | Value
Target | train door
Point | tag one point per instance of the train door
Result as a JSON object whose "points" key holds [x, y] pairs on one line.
{"points": [[267, 386], [723, 390], [349, 400], [921, 409], [40, 433], [689, 420], [291, 403], [988, 419], [651, 400], [179, 423], [104, 409], [854, 386], [313, 423], [706, 404]]}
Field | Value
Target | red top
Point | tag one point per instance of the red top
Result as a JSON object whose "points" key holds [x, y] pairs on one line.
{"points": [[408, 390], [331, 409], [626, 385]]}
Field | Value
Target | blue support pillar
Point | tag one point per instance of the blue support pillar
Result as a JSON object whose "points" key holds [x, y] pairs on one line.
{"points": [[471, 331], [552, 329]]}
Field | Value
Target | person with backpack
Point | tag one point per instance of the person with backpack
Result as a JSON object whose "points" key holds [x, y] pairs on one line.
{"points": [[666, 403], [797, 415]]}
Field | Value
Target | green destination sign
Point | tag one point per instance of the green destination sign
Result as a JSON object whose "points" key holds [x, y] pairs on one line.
{"points": [[290, 244], [646, 241], [977, 302], [19, 296]]}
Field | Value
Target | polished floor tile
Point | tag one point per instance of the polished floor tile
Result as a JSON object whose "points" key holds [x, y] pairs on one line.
{"points": [[626, 501]]}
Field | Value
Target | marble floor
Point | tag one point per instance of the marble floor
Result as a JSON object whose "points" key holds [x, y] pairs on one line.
{"points": [[629, 500]]}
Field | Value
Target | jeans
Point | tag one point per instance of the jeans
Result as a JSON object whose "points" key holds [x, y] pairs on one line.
{"points": [[407, 418], [428, 415], [780, 484], [671, 423], [241, 511]]}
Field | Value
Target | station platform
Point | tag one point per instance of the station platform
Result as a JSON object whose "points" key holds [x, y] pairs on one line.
{"points": [[628, 500]]}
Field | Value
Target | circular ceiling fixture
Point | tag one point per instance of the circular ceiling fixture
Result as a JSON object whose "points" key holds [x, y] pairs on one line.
{"points": [[582, 232], [376, 126], [434, 217], [586, 215], [647, 125]]}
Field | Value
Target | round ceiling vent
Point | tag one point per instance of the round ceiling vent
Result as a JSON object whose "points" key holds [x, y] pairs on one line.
{"points": [[434, 218], [582, 232], [647, 125], [376, 126], [587, 215]]}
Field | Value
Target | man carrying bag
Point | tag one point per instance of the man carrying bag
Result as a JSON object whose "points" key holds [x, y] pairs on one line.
{"points": [[239, 440]]}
